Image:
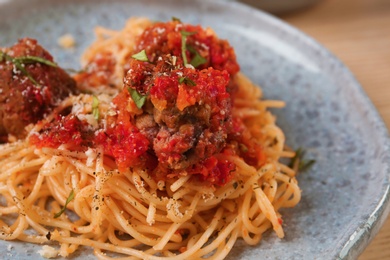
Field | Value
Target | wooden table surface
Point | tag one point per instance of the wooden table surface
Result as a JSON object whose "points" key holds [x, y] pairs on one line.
{"points": [[358, 33]]}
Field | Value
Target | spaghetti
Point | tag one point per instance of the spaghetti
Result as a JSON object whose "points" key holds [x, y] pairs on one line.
{"points": [[150, 203]]}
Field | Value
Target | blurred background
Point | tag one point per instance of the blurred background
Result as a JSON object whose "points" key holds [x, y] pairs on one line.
{"points": [[358, 33]]}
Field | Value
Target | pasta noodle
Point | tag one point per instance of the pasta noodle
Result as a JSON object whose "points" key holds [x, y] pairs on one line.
{"points": [[127, 213]]}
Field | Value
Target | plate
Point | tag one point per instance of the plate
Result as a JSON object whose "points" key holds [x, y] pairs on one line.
{"points": [[345, 195]]}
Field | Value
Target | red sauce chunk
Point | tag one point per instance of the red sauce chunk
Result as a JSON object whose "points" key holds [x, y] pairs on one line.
{"points": [[67, 130], [166, 38], [122, 140]]}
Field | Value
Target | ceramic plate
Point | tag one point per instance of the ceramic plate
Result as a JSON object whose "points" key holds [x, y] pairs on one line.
{"points": [[346, 193]]}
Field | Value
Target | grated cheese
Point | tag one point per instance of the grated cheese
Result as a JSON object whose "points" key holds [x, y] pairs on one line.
{"points": [[66, 41], [48, 252]]}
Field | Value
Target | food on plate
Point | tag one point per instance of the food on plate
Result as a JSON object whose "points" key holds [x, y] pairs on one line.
{"points": [[159, 148], [31, 86]]}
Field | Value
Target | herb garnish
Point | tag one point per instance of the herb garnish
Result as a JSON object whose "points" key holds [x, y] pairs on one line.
{"points": [[184, 35], [303, 165], [141, 56], [23, 60], [243, 148], [198, 59], [138, 98], [95, 107], [70, 197], [187, 81], [175, 19], [34, 59]]}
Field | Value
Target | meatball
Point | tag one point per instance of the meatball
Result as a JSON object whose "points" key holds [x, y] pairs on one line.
{"points": [[30, 86], [187, 113]]}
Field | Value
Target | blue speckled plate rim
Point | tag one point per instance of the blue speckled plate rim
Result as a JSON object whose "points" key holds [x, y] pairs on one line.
{"points": [[357, 241]]}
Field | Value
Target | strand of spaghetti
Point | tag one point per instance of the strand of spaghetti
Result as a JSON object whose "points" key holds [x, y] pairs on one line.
{"points": [[244, 213], [164, 240], [271, 189], [9, 209], [63, 251], [228, 246], [116, 241], [16, 229], [245, 113], [158, 230], [133, 211], [202, 240], [21, 166], [50, 167], [14, 158], [35, 190], [287, 154], [124, 194], [17, 196], [230, 192], [284, 199], [80, 166], [200, 221], [145, 195], [97, 202], [174, 213], [179, 183], [81, 204], [126, 225], [273, 103], [222, 235], [293, 186], [287, 170], [10, 148], [249, 89], [229, 205], [181, 194], [268, 210], [55, 236], [32, 239], [148, 179], [36, 226], [59, 192]]}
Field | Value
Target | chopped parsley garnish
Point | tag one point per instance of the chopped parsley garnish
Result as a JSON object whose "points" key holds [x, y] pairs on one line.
{"points": [[187, 81], [303, 165], [243, 148], [141, 56], [198, 59], [184, 35], [69, 199], [34, 59], [138, 98], [175, 19], [95, 107], [23, 60]]}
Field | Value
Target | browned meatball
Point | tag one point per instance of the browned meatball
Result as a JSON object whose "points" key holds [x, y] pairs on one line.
{"points": [[187, 113], [29, 93]]}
